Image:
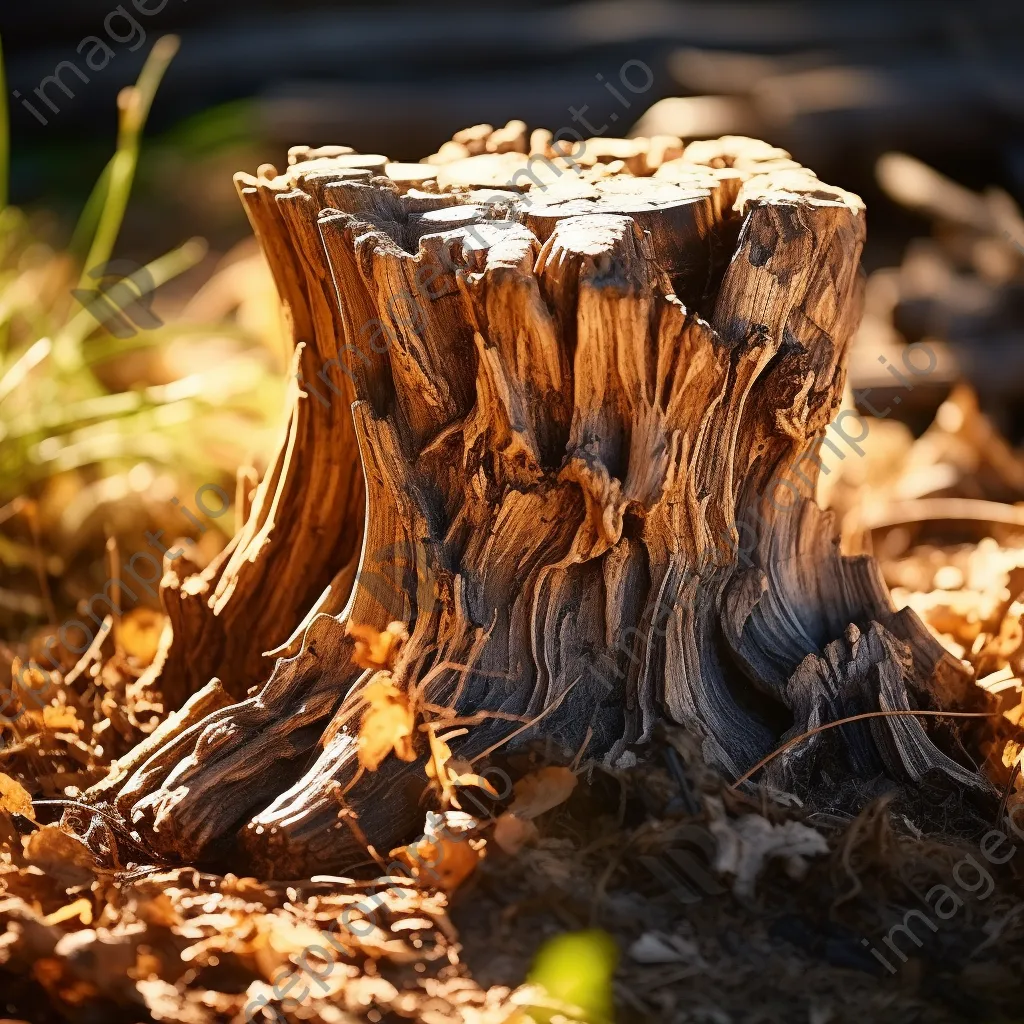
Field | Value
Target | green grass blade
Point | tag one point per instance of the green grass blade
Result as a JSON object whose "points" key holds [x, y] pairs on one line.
{"points": [[134, 105], [145, 279], [5, 172], [89, 219], [5, 135], [13, 376]]}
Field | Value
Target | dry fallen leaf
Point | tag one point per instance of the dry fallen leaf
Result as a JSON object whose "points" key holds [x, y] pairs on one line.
{"points": [[279, 939], [746, 844], [443, 862], [387, 724], [541, 790], [446, 855], [140, 634], [61, 855], [61, 717], [534, 794], [32, 678], [14, 798], [512, 833], [375, 649], [159, 911]]}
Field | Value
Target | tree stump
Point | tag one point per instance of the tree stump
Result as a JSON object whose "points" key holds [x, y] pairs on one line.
{"points": [[587, 406]]}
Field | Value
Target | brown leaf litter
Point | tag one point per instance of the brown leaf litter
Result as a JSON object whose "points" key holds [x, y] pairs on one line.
{"points": [[783, 931]]}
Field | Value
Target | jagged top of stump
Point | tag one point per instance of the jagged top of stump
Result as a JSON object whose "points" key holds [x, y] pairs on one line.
{"points": [[691, 199], [734, 169]]}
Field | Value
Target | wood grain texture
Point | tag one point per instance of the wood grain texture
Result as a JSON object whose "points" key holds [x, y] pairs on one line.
{"points": [[574, 407], [303, 533]]}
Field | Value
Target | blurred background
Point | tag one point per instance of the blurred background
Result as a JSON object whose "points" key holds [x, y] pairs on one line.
{"points": [[835, 83], [917, 107]]}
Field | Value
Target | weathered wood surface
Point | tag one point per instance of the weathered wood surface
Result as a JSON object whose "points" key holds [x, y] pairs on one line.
{"points": [[575, 402], [299, 546]]}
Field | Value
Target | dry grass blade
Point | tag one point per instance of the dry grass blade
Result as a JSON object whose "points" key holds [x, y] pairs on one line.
{"points": [[789, 744]]}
